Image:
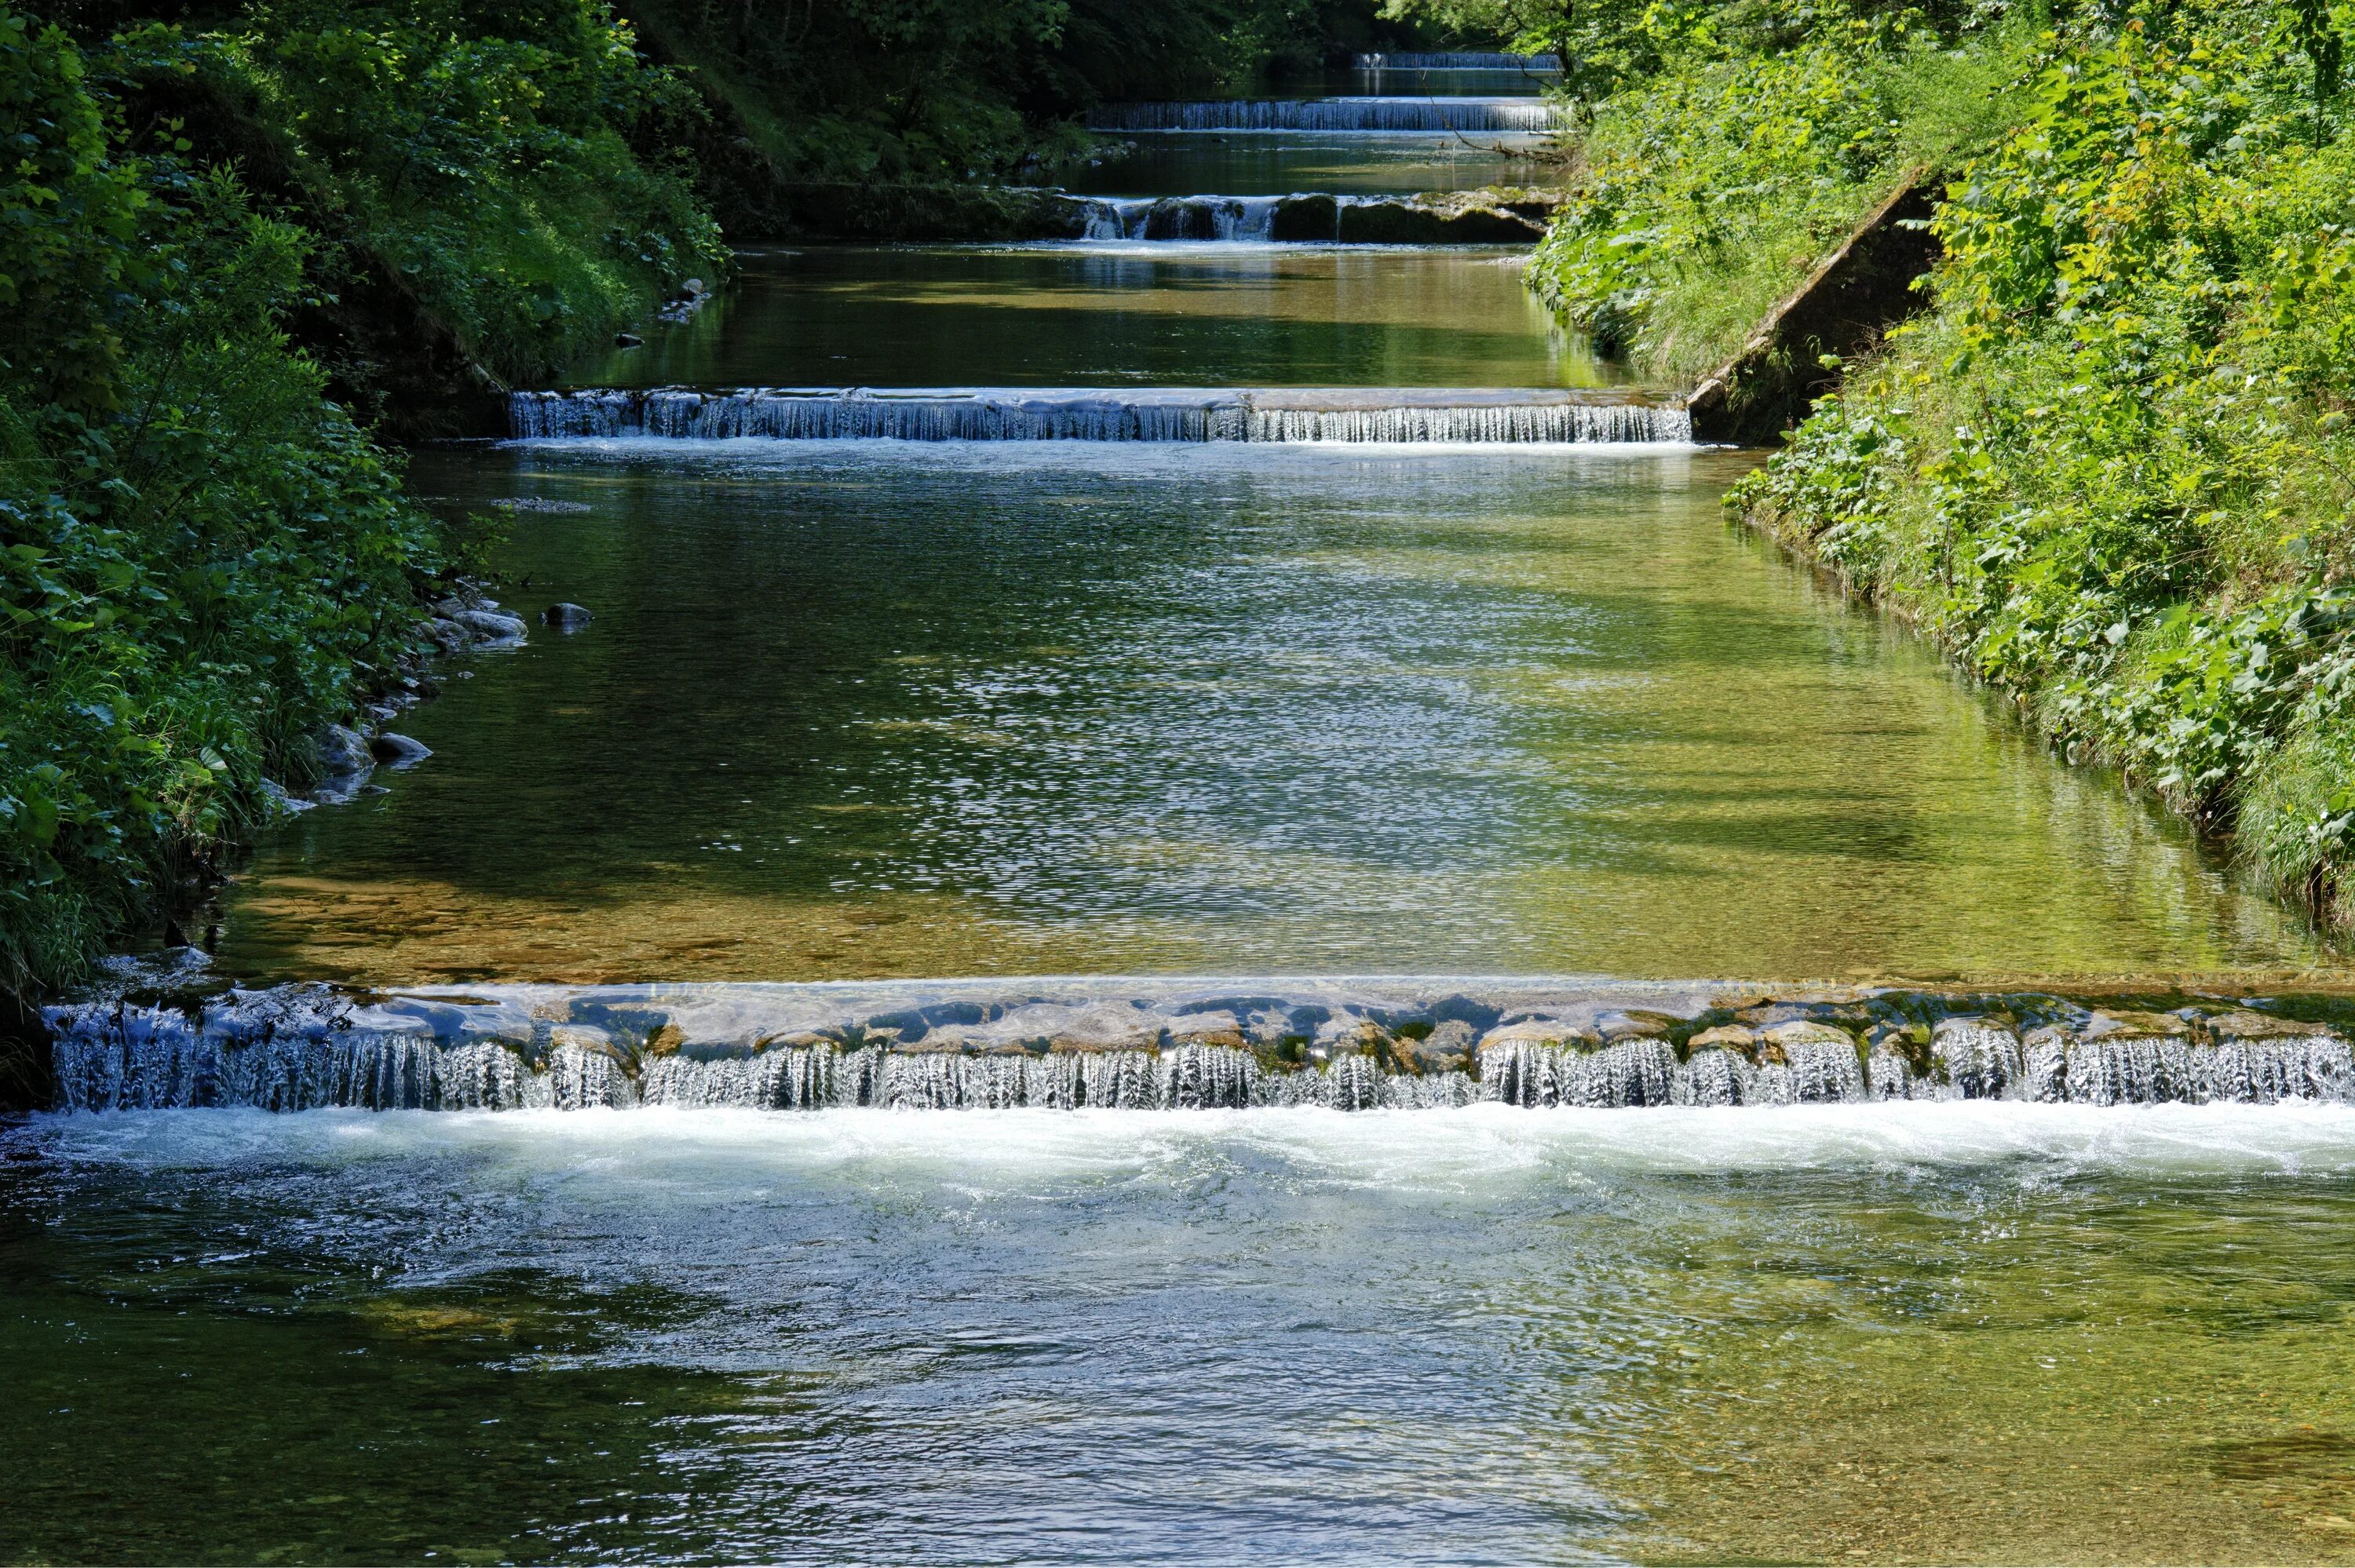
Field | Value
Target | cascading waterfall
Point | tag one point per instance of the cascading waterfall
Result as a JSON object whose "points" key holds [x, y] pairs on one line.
{"points": [[1249, 220], [1368, 113], [1406, 415], [306, 1048], [1459, 59]]}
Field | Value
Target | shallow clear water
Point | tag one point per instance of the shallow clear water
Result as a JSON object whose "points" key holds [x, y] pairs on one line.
{"points": [[1918, 1333], [1189, 162], [866, 708], [1094, 314]]}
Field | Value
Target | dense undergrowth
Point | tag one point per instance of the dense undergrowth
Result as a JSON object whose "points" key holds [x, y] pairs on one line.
{"points": [[200, 555], [2110, 469]]}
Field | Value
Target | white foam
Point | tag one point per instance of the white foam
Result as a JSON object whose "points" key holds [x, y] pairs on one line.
{"points": [[1465, 1149]]}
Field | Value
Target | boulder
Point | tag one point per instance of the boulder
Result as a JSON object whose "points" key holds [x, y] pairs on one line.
{"points": [[399, 750], [345, 763], [491, 628], [1308, 218], [565, 617]]}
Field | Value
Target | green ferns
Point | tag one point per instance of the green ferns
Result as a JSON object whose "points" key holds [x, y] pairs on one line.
{"points": [[2112, 472]]}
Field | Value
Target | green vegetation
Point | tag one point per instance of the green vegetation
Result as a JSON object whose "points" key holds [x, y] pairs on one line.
{"points": [[918, 91], [213, 238], [201, 557], [1702, 193], [2110, 470], [484, 161]]}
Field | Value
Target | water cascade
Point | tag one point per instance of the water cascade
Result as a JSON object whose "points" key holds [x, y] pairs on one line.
{"points": [[808, 1048], [1413, 415], [1368, 113], [1236, 220], [1459, 61]]}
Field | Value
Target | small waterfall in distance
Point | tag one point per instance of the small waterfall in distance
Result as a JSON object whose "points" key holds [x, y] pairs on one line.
{"points": [[1234, 219], [1368, 113], [1460, 59], [1404, 415], [805, 1049]]}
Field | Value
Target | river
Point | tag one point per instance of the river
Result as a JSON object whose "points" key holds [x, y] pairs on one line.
{"points": [[1472, 704]]}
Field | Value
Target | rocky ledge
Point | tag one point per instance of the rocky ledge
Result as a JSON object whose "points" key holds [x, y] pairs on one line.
{"points": [[177, 1041]]}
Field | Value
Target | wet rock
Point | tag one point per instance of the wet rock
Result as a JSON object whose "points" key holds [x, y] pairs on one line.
{"points": [[1559, 1032], [2242, 1024], [1897, 1060], [1735, 1037], [1451, 219], [565, 617], [447, 634], [1778, 1042], [2044, 1064], [2131, 1058], [279, 803], [345, 763], [341, 750], [2124, 1025], [1219, 1030], [1975, 1058], [627, 340], [1452, 1046], [399, 750], [1819, 1061], [1311, 219], [491, 629], [1174, 218]]}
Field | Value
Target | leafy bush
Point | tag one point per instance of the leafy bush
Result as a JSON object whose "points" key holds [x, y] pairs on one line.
{"points": [[200, 558]]}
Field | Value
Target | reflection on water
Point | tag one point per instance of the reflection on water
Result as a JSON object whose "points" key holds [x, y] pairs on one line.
{"points": [[1099, 316], [1189, 162], [1914, 1333], [859, 708]]}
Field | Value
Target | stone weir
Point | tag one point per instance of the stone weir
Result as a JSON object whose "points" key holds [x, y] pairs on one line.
{"points": [[1169, 1044], [1510, 114], [1492, 216], [1402, 415], [1460, 59]]}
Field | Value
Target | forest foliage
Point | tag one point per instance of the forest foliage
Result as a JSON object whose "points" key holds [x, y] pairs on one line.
{"points": [[200, 555]]}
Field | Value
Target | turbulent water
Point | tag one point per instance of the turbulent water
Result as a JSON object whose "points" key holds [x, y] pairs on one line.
{"points": [[1389, 416], [1928, 1332], [1234, 219]]}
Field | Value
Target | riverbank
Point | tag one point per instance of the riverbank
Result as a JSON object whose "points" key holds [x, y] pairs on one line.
{"points": [[2107, 472]]}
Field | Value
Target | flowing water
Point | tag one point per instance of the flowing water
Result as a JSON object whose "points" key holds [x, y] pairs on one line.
{"points": [[1392, 635], [1178, 163], [1923, 1333]]}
